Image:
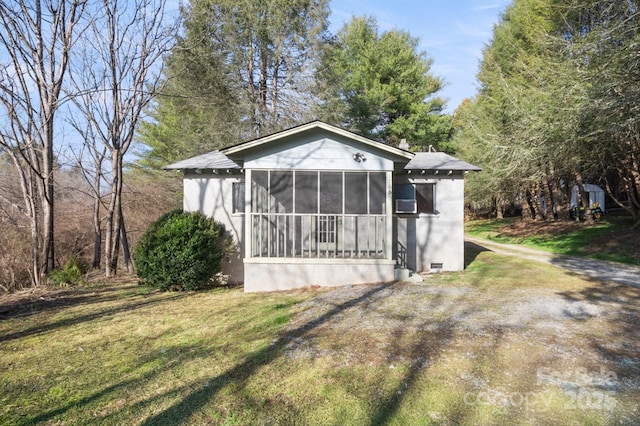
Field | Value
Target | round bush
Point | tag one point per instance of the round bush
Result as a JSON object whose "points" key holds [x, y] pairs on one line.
{"points": [[181, 251]]}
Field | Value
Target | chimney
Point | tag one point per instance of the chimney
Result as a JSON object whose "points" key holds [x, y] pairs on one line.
{"points": [[403, 144]]}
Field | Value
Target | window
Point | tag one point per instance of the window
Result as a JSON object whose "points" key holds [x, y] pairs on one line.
{"points": [[425, 198], [404, 198], [414, 198], [238, 197], [327, 229]]}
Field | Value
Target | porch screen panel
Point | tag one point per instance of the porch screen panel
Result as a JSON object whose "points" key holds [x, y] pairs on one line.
{"points": [[281, 191], [377, 193], [259, 191], [330, 193], [355, 188], [306, 192]]}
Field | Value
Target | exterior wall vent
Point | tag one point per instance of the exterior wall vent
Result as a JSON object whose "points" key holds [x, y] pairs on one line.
{"points": [[436, 267]]}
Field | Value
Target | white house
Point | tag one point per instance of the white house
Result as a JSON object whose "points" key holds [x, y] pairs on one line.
{"points": [[318, 205]]}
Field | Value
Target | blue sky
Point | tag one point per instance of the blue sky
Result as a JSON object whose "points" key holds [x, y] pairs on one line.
{"points": [[452, 32]]}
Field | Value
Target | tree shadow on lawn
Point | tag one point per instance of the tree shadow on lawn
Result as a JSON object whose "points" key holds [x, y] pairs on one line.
{"points": [[110, 294], [41, 299], [617, 343], [433, 337], [244, 370]]}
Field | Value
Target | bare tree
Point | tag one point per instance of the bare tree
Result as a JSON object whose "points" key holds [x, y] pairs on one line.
{"points": [[116, 77], [36, 38], [92, 171]]}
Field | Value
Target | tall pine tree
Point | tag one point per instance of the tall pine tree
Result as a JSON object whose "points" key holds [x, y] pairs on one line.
{"points": [[241, 70], [380, 86]]}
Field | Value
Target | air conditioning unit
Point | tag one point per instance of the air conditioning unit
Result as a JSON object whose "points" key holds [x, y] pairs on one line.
{"points": [[406, 206]]}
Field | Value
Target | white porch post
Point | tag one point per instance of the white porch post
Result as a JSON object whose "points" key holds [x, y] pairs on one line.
{"points": [[389, 217], [248, 234]]}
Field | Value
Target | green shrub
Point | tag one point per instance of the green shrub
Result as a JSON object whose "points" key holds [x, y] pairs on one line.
{"points": [[181, 251], [70, 274]]}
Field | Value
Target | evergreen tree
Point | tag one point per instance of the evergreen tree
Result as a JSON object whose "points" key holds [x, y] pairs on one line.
{"points": [[519, 127], [379, 86], [603, 41]]}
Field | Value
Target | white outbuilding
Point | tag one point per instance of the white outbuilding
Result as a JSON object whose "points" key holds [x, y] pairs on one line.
{"points": [[594, 194]]}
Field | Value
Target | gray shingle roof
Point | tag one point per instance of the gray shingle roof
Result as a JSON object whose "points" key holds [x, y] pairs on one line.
{"points": [[438, 161], [211, 160]]}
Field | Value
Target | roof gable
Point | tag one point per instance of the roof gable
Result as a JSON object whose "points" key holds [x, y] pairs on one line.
{"points": [[256, 144]]}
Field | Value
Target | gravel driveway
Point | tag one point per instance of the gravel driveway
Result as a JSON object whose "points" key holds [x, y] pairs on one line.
{"points": [[433, 325], [598, 269]]}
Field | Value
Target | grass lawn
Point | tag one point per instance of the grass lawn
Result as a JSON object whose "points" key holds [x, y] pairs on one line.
{"points": [[609, 239], [505, 342]]}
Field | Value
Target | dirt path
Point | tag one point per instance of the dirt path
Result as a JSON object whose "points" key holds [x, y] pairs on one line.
{"points": [[598, 269]]}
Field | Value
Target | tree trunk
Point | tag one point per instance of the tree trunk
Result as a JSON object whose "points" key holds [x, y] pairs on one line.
{"points": [[124, 240], [264, 69], [499, 208], [112, 221], [28, 185], [112, 242], [98, 158], [252, 89], [97, 246], [36, 276], [530, 204], [48, 202], [560, 206], [583, 200], [550, 207], [97, 231], [634, 193]]}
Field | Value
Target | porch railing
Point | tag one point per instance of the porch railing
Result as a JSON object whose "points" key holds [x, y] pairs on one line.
{"points": [[318, 236]]}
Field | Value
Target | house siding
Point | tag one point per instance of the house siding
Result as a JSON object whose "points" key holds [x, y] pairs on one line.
{"points": [[417, 241], [434, 238], [287, 274], [211, 195]]}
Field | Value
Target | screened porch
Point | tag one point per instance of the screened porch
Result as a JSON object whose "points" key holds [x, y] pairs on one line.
{"points": [[318, 214]]}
